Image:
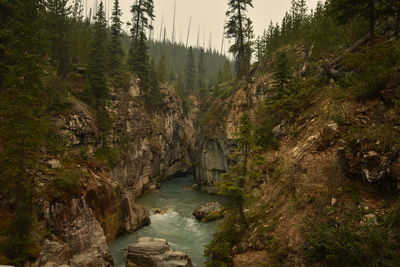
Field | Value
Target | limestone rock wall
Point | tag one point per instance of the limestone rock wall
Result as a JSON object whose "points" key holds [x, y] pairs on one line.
{"points": [[155, 144], [216, 138]]}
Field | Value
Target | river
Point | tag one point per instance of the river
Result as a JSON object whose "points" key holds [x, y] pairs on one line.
{"points": [[177, 225]]}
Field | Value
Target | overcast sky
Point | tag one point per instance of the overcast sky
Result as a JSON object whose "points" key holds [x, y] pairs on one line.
{"points": [[208, 14]]}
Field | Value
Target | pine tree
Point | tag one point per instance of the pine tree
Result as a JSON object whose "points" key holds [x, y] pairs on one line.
{"points": [[97, 69], [23, 122], [190, 71], [282, 74], [138, 61], [233, 182], [201, 70], [115, 51], [239, 27], [57, 21], [162, 69], [77, 11]]}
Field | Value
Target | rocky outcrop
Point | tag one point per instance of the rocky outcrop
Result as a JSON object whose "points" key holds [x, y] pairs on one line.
{"points": [[83, 242], [155, 252], [218, 130], [155, 145], [212, 162], [209, 212]]}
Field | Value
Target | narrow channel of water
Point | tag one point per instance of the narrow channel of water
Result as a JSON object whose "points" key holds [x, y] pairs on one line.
{"points": [[177, 225]]}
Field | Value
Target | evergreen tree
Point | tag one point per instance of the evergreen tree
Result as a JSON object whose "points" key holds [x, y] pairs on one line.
{"points": [[345, 10], [233, 182], [57, 21], [201, 70], [162, 69], [190, 71], [227, 74], [239, 27], [97, 69], [138, 61], [115, 51], [23, 122], [282, 74], [77, 11]]}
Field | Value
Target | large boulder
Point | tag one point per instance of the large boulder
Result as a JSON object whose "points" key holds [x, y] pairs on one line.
{"points": [[209, 212], [155, 252]]}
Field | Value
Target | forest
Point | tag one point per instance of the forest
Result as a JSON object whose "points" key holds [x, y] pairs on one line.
{"points": [[305, 119]]}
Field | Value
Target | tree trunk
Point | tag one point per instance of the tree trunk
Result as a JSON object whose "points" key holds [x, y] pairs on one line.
{"points": [[397, 30], [372, 20], [241, 45]]}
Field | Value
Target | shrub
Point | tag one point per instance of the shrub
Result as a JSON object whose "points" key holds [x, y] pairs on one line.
{"points": [[68, 180], [108, 156], [372, 68], [57, 97], [335, 237], [218, 251]]}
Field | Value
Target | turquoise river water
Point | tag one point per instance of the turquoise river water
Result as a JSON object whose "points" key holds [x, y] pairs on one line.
{"points": [[177, 225]]}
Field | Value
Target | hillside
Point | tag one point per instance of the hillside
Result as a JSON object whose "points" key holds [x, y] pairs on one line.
{"points": [[300, 134]]}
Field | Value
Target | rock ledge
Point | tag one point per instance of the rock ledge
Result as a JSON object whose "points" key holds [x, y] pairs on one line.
{"points": [[155, 252]]}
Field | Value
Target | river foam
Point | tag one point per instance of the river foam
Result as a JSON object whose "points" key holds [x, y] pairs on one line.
{"points": [[177, 225]]}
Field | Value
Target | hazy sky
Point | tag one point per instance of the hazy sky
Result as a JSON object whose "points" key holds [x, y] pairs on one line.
{"points": [[208, 14]]}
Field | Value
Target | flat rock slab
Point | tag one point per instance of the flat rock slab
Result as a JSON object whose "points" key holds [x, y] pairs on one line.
{"points": [[155, 252]]}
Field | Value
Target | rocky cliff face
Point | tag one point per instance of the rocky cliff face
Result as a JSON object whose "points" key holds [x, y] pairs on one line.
{"points": [[218, 129], [154, 146]]}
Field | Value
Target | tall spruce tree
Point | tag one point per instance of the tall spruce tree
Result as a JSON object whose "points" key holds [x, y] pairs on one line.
{"points": [[138, 59], [115, 51], [239, 27], [23, 123], [282, 74], [190, 71], [233, 182], [58, 29], [97, 72]]}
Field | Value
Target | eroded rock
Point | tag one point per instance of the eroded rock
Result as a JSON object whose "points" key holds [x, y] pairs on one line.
{"points": [[155, 252], [209, 212]]}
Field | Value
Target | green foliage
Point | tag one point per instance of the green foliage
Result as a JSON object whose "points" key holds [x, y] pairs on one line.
{"points": [[162, 69], [288, 106], [97, 88], [109, 156], [282, 75], [225, 74], [376, 137], [218, 252], [373, 68], [58, 30], [190, 72], [176, 55], [201, 70], [57, 98], [97, 78], [68, 181], [24, 124], [239, 27], [138, 59], [115, 51], [263, 133], [335, 237]]}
